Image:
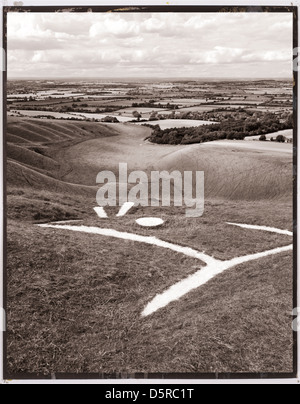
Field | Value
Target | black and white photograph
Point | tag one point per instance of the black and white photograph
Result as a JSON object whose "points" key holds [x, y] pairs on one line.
{"points": [[150, 158]]}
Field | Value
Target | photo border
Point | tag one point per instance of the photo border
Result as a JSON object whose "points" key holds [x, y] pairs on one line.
{"points": [[155, 9]]}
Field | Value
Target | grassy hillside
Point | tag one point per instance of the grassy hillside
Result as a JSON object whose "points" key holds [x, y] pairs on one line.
{"points": [[75, 300], [73, 153], [35, 169], [236, 174], [230, 173]]}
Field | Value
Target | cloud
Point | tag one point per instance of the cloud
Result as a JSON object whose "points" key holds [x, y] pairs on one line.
{"points": [[34, 44], [117, 27], [221, 55], [153, 25], [149, 44], [269, 56]]}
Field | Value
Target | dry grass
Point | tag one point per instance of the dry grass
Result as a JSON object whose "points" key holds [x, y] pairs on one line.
{"points": [[236, 174], [34, 206], [75, 302], [19, 175], [45, 131], [33, 158], [62, 286]]}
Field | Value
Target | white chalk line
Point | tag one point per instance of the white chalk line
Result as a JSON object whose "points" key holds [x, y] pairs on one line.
{"points": [[122, 212], [264, 228], [68, 221], [135, 237], [101, 213], [201, 277], [125, 208], [213, 267]]}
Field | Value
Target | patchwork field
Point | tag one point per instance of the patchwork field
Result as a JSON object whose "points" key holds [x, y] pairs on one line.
{"points": [[286, 133], [75, 300], [179, 123], [145, 112]]}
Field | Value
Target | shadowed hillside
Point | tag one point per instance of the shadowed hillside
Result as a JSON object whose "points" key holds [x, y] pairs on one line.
{"points": [[34, 165]]}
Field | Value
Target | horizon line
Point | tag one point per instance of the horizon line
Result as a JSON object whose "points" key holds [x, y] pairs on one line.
{"points": [[148, 78]]}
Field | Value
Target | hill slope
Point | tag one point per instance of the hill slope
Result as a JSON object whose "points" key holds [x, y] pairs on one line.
{"points": [[63, 158], [34, 166], [233, 172]]}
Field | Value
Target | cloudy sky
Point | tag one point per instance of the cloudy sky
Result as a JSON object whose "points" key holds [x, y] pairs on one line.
{"points": [[254, 45]]}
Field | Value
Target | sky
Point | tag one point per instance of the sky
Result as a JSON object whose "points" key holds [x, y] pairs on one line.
{"points": [[159, 45]]}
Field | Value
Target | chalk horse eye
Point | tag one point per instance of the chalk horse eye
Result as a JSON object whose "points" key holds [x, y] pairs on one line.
{"points": [[144, 222]]}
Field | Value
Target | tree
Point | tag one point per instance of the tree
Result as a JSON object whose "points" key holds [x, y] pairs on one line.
{"points": [[290, 121], [280, 139], [230, 136], [110, 119], [153, 116], [137, 115], [263, 138]]}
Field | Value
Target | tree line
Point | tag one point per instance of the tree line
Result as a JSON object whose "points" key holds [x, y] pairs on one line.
{"points": [[228, 129]]}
